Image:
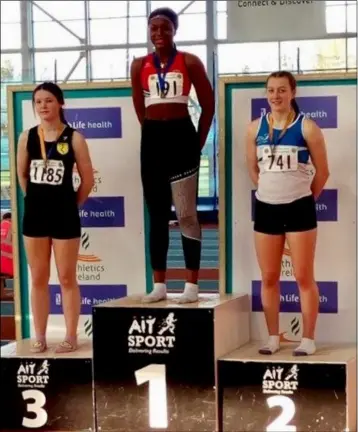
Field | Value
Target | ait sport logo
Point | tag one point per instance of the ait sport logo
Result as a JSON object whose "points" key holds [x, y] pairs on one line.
{"points": [[85, 255]]}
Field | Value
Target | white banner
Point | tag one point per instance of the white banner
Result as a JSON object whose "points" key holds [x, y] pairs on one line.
{"points": [[111, 262], [333, 106], [266, 20]]}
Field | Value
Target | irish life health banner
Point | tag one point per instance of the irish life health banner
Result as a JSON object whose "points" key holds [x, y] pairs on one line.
{"points": [[331, 103], [111, 261], [280, 20]]}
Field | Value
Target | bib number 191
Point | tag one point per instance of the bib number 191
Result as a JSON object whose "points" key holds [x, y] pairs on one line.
{"points": [[36, 401]]}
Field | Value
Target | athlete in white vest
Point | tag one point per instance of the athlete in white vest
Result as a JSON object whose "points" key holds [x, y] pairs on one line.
{"points": [[287, 161]]}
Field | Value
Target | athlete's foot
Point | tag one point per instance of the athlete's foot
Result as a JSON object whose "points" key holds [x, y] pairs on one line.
{"points": [[272, 346], [306, 347], [158, 294], [38, 346], [66, 346], [190, 294]]}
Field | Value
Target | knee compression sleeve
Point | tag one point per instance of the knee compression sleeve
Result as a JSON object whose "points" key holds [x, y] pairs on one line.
{"points": [[185, 196]]}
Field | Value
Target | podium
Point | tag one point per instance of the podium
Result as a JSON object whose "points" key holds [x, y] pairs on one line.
{"points": [[155, 364], [286, 393], [46, 392]]}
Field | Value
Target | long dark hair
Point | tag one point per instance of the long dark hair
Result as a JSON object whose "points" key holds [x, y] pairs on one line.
{"points": [[293, 85], [55, 90]]}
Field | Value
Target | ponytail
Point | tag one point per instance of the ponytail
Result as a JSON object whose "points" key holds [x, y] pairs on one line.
{"points": [[295, 106], [62, 116]]}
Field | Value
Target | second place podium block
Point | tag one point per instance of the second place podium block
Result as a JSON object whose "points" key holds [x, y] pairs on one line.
{"points": [[154, 364]]}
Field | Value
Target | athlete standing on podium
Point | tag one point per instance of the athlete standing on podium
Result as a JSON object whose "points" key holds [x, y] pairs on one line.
{"points": [[45, 159], [287, 161], [170, 146]]}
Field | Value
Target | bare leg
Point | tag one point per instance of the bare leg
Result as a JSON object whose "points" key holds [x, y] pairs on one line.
{"points": [[38, 252], [66, 253], [269, 250], [302, 246]]}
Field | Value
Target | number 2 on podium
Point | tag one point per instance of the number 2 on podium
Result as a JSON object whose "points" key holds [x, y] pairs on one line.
{"points": [[158, 407], [280, 424]]}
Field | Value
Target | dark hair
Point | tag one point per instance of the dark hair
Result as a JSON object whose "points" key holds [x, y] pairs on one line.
{"points": [[168, 13], [292, 82], [6, 215], [56, 91]]}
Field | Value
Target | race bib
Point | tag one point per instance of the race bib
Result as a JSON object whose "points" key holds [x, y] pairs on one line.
{"points": [[173, 85], [282, 159], [51, 173]]}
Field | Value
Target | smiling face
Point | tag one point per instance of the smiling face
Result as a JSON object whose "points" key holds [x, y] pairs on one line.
{"points": [[162, 32], [47, 106], [280, 94]]}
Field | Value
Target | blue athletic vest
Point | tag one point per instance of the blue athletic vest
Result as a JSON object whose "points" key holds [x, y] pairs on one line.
{"points": [[285, 169]]}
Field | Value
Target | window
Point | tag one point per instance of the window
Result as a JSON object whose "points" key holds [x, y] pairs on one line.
{"points": [[137, 8], [109, 64], [336, 19], [71, 16], [108, 9], [136, 52], [248, 58], [352, 53], [138, 30], [10, 25], [10, 36], [10, 11], [314, 55], [352, 18], [48, 63], [11, 67], [61, 10], [63, 37], [192, 27], [108, 31], [197, 6], [198, 50]]}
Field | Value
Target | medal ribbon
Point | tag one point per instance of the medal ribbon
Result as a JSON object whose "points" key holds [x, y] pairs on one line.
{"points": [[289, 120], [163, 73], [45, 156]]}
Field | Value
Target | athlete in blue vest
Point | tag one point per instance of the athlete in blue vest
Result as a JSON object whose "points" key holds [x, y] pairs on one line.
{"points": [[287, 161]]}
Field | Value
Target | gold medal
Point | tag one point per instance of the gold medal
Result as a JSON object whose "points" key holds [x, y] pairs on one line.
{"points": [[42, 143]]}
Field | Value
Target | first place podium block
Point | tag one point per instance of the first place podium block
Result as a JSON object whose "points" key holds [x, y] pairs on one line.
{"points": [[283, 393], [154, 364], [48, 391]]}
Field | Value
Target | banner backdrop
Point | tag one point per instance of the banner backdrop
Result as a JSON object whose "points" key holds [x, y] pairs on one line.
{"points": [[112, 259], [279, 20], [332, 104]]}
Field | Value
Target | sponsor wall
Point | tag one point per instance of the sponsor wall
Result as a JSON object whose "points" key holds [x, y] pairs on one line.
{"points": [[112, 260], [245, 16], [332, 104]]}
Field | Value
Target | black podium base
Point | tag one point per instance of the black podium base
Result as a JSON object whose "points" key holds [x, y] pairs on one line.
{"points": [[46, 392], [154, 364], [282, 393]]}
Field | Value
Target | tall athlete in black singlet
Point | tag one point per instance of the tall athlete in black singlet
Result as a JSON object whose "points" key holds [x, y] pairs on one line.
{"points": [[170, 146], [46, 157]]}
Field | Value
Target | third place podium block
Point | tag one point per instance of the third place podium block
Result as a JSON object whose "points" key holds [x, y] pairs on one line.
{"points": [[283, 393], [154, 364]]}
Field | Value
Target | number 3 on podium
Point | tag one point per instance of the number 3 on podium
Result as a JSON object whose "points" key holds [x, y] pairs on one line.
{"points": [[36, 407], [158, 407]]}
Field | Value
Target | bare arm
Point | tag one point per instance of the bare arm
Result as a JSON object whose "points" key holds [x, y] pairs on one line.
{"points": [[251, 155], [137, 93], [205, 94], [84, 167], [317, 148], [22, 163]]}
